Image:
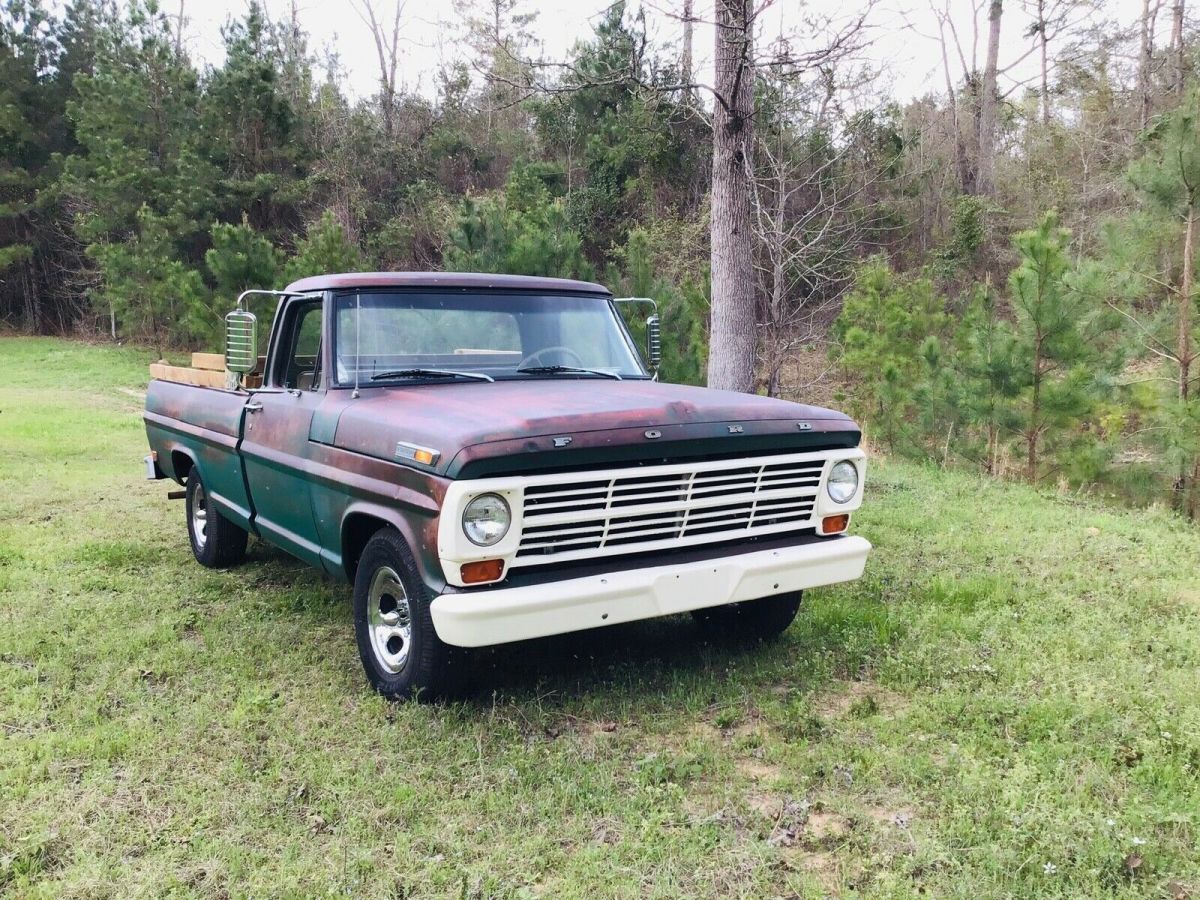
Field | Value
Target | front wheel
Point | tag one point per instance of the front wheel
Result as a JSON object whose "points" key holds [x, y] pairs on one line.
{"points": [[400, 651], [755, 620], [216, 542]]}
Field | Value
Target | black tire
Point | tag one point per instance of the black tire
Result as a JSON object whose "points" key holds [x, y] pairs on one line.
{"points": [[753, 620], [400, 651], [216, 542]]}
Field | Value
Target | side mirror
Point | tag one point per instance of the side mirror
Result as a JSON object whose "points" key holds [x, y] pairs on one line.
{"points": [[241, 342], [654, 341]]}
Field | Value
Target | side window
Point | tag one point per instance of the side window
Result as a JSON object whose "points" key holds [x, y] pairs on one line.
{"points": [[301, 367]]}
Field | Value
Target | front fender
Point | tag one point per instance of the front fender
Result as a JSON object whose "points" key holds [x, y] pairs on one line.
{"points": [[418, 530]]}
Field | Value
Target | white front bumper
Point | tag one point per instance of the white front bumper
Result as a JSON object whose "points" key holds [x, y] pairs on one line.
{"points": [[482, 618]]}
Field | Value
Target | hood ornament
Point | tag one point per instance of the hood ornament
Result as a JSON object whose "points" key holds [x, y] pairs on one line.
{"points": [[563, 441], [653, 433]]}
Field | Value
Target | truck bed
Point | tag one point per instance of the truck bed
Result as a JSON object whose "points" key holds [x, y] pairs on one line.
{"points": [[190, 423]]}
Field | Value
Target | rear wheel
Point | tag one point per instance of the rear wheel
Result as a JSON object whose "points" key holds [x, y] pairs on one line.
{"points": [[755, 620], [401, 653], [216, 542]]}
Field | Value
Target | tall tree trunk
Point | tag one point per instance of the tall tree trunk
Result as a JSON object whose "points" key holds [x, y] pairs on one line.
{"points": [[1043, 40], [776, 313], [1193, 501], [733, 334], [1184, 337], [1035, 416], [988, 100], [966, 177], [387, 49], [491, 106], [1184, 483], [1146, 60], [685, 61], [1178, 53], [993, 446], [778, 239], [179, 23]]}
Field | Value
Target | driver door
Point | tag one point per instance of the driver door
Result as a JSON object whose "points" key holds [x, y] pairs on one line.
{"points": [[275, 443]]}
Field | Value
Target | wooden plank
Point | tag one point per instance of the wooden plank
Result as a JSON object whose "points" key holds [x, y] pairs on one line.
{"points": [[198, 377], [214, 362], [183, 375]]}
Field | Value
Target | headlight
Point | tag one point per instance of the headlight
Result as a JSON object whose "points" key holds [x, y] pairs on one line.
{"points": [[486, 519], [843, 481]]}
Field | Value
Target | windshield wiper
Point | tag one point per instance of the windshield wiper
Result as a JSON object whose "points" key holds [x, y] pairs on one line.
{"points": [[567, 370], [431, 373]]}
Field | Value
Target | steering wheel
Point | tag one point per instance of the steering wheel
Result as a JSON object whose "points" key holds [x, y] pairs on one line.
{"points": [[532, 357]]}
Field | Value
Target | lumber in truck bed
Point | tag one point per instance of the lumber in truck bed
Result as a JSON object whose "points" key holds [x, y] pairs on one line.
{"points": [[206, 370]]}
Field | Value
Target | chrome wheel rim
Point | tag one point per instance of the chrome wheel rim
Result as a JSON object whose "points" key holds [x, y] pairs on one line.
{"points": [[200, 516], [389, 619]]}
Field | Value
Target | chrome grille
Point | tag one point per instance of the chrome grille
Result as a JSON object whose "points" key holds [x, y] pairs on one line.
{"points": [[630, 511]]}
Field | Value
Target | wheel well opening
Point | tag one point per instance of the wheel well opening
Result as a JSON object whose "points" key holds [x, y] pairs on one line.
{"points": [[356, 531], [181, 464]]}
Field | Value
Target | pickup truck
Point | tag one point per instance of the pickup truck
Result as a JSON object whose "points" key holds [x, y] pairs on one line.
{"points": [[489, 458]]}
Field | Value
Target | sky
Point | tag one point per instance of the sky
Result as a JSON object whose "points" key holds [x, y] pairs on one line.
{"points": [[902, 38]]}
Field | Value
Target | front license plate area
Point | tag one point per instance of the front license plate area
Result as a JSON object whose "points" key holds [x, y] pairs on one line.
{"points": [[681, 591]]}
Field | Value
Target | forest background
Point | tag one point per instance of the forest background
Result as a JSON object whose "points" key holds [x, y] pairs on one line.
{"points": [[997, 274]]}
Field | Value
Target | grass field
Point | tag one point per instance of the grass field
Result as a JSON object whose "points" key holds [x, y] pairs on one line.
{"points": [[1007, 705]]}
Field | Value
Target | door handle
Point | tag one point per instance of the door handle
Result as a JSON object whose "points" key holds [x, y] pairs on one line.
{"points": [[253, 407]]}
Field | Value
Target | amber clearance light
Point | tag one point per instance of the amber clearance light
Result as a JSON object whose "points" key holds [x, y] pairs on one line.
{"points": [[484, 570], [423, 455], [835, 524]]}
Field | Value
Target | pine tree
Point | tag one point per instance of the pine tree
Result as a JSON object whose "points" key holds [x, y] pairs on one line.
{"points": [[988, 375], [241, 258], [325, 248], [526, 231], [1168, 176], [153, 294], [881, 335], [40, 55], [1057, 344]]}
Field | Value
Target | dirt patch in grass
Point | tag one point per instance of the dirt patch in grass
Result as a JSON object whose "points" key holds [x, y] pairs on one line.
{"points": [[745, 731], [859, 700], [1189, 598], [757, 769], [822, 867], [766, 805], [890, 816], [823, 827]]}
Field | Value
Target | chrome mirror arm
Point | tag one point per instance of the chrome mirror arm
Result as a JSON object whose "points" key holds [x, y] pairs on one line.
{"points": [[653, 330]]}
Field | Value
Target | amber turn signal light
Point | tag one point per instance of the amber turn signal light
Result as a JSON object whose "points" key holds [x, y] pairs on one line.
{"points": [[834, 524], [484, 570]]}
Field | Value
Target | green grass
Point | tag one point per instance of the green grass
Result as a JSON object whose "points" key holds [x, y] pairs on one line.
{"points": [[1007, 705]]}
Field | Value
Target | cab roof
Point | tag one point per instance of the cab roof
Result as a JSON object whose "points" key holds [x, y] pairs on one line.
{"points": [[461, 280]]}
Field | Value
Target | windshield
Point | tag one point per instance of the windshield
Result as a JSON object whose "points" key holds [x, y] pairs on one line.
{"points": [[400, 335]]}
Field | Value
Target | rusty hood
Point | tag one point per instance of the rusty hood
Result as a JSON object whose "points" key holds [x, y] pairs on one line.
{"points": [[503, 427]]}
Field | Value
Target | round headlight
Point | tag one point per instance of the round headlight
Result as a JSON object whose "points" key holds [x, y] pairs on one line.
{"points": [[843, 481], [486, 519]]}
